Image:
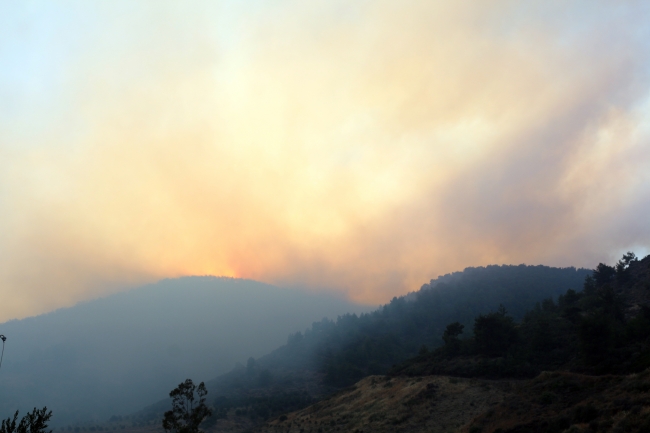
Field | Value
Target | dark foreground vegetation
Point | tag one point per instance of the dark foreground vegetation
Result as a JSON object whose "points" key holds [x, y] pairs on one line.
{"points": [[32, 422]]}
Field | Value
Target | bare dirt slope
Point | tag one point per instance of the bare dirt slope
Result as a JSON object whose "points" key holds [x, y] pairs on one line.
{"points": [[399, 404]]}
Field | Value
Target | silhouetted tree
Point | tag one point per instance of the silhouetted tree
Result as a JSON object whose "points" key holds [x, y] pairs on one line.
{"points": [[623, 265], [450, 337], [611, 303], [32, 422], [596, 337], [589, 286], [494, 333], [626, 260], [187, 413], [603, 274]]}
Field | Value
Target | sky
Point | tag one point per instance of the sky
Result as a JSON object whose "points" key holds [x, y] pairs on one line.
{"points": [[361, 147]]}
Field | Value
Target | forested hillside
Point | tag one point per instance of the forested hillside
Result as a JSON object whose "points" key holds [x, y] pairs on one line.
{"points": [[602, 329], [334, 354], [591, 346], [357, 346]]}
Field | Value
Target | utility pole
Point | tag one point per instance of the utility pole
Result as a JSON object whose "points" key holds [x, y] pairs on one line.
{"points": [[3, 338]]}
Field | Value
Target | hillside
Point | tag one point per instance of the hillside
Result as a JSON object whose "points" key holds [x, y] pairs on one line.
{"points": [[357, 346], [563, 401], [602, 329], [552, 402], [597, 342], [331, 355], [382, 404], [115, 355]]}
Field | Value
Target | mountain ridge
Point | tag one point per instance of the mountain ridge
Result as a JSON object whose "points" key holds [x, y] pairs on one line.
{"points": [[602, 386], [309, 365], [79, 360]]}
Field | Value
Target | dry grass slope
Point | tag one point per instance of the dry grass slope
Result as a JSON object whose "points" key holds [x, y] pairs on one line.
{"points": [[383, 404]]}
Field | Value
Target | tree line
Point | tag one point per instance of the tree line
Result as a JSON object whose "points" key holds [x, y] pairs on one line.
{"points": [[597, 330]]}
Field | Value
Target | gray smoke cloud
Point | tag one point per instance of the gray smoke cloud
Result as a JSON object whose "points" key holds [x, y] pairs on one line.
{"points": [[362, 147]]}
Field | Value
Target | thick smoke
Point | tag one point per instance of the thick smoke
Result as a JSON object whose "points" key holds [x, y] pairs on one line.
{"points": [[364, 147]]}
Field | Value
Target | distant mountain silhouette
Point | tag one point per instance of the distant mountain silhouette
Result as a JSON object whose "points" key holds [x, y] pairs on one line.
{"points": [[117, 354]]}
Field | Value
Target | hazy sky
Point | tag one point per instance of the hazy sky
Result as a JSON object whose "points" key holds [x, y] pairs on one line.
{"points": [[357, 146]]}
